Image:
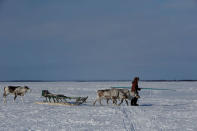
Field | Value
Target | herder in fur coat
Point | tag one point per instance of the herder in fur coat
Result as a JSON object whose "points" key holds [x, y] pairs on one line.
{"points": [[134, 91]]}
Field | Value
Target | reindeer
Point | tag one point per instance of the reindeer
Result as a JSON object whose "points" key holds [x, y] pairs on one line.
{"points": [[16, 90]]}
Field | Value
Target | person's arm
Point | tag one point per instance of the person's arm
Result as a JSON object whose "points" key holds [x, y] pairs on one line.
{"points": [[137, 88]]}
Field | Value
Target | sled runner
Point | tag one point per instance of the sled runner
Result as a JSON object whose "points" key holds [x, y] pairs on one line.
{"points": [[59, 99]]}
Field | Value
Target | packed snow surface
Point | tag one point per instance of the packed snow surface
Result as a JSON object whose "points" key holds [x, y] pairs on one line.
{"points": [[159, 110]]}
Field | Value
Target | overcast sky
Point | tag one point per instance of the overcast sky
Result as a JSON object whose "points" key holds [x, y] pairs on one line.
{"points": [[98, 39]]}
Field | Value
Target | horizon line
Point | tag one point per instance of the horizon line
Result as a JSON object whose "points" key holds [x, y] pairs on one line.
{"points": [[161, 80]]}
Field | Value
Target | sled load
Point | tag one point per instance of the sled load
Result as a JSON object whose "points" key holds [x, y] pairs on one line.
{"points": [[59, 99]]}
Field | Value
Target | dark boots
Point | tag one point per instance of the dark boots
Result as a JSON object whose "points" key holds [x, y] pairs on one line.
{"points": [[134, 102]]}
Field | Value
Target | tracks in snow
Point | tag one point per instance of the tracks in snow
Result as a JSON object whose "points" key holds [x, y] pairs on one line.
{"points": [[127, 119], [137, 118]]}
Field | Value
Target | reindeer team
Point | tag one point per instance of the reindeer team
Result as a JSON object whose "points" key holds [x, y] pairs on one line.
{"points": [[114, 95]]}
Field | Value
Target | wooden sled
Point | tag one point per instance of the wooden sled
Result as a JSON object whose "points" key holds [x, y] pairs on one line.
{"points": [[59, 99]]}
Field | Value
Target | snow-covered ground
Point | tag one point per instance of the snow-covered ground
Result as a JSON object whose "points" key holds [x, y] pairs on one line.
{"points": [[159, 110]]}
